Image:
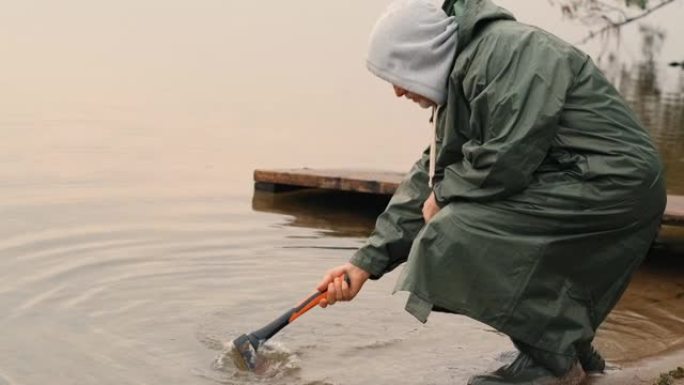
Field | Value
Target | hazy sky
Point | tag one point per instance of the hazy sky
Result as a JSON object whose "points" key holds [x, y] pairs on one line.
{"points": [[284, 82]]}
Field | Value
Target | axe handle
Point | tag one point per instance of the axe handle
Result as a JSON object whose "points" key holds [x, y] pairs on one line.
{"points": [[307, 305], [279, 323]]}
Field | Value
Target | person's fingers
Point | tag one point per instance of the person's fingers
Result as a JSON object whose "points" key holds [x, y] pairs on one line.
{"points": [[343, 296], [338, 289], [331, 294], [346, 291], [327, 278], [430, 209], [323, 285], [341, 284]]}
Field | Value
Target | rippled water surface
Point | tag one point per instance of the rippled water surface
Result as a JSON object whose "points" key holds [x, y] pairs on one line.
{"points": [[133, 248]]}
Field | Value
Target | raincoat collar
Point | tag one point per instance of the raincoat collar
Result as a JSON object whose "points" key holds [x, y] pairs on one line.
{"points": [[471, 15]]}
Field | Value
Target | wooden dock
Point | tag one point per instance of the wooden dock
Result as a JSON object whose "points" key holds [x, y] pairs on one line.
{"points": [[363, 181], [381, 183]]}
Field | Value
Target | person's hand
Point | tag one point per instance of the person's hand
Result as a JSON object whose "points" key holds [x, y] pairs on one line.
{"points": [[337, 287], [430, 208]]}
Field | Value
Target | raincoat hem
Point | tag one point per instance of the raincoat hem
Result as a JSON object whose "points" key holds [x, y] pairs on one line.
{"points": [[420, 308]]}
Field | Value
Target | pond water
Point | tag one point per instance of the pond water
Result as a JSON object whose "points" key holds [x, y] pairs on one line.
{"points": [[133, 247]]}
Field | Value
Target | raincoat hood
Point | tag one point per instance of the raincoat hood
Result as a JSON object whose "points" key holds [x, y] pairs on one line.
{"points": [[412, 46], [471, 15]]}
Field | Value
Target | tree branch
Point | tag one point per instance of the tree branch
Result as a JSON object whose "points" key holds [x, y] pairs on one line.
{"points": [[613, 7], [628, 20]]}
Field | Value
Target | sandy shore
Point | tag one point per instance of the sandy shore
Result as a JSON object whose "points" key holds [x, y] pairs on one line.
{"points": [[642, 372]]}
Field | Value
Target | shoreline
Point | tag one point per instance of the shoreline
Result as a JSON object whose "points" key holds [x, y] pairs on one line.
{"points": [[641, 372]]}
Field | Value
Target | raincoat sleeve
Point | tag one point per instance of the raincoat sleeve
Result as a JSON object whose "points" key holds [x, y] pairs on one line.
{"points": [[397, 227], [515, 98]]}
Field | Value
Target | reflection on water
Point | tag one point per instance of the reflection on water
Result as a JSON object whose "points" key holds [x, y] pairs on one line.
{"points": [[650, 317], [656, 93], [338, 214]]}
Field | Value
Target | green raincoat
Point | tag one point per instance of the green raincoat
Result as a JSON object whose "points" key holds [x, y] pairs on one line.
{"points": [[551, 192]]}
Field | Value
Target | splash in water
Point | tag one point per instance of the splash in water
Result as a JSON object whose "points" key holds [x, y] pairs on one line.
{"points": [[273, 361]]}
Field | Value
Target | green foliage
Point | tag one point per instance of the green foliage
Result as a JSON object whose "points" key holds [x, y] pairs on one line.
{"points": [[668, 378], [639, 3], [591, 8], [677, 373]]}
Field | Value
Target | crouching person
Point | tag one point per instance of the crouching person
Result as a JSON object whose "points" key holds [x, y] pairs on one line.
{"points": [[538, 198]]}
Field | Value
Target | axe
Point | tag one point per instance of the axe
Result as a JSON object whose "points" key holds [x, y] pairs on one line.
{"points": [[248, 344]]}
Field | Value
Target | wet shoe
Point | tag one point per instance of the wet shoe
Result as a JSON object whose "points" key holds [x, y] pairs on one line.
{"points": [[524, 371], [591, 360]]}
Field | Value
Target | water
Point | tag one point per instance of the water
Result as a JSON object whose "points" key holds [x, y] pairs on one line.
{"points": [[133, 249]]}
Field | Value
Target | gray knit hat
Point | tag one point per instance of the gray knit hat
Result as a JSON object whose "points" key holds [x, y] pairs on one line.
{"points": [[413, 46]]}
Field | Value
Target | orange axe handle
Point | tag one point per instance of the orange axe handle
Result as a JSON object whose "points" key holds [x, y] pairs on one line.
{"points": [[311, 302], [258, 337], [307, 305]]}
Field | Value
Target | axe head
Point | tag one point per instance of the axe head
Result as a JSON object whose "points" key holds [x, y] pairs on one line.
{"points": [[246, 346]]}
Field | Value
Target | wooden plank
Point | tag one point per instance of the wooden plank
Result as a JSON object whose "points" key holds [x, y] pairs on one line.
{"points": [[275, 187], [385, 183], [674, 212], [365, 181]]}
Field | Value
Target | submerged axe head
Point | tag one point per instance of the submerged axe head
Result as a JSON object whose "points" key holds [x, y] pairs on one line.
{"points": [[246, 346]]}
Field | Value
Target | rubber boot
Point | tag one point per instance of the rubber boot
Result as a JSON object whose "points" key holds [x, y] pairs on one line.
{"points": [[524, 371], [591, 360], [557, 364]]}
